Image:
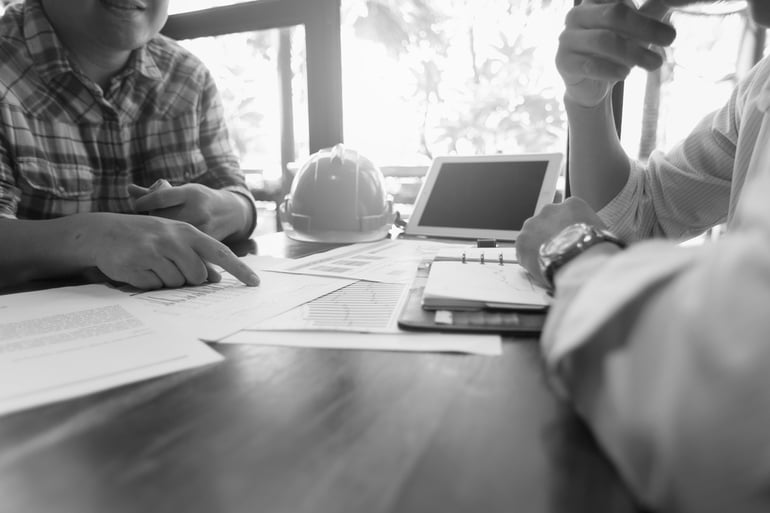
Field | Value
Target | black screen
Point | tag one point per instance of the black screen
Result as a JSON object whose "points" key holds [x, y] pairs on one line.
{"points": [[484, 195]]}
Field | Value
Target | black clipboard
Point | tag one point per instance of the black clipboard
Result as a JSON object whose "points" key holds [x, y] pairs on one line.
{"points": [[414, 317]]}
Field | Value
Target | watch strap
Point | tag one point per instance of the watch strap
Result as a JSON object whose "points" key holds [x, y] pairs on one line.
{"points": [[590, 237]]}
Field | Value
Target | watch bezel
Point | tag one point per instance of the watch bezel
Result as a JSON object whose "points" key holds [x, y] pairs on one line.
{"points": [[552, 258]]}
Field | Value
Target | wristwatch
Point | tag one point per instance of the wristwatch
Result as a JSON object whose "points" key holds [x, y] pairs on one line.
{"points": [[568, 244]]}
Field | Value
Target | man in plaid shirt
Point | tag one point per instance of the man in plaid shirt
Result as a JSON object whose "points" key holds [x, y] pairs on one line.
{"points": [[95, 108]]}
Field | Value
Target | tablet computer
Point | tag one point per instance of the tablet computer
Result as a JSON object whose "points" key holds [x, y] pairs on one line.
{"points": [[488, 196]]}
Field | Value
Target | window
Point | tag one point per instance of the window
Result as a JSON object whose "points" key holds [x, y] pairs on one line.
{"points": [[716, 45], [422, 79], [419, 79], [459, 77], [245, 66]]}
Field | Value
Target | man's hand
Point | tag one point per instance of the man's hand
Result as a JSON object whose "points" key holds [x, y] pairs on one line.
{"points": [[603, 40], [151, 253], [218, 213], [541, 228]]}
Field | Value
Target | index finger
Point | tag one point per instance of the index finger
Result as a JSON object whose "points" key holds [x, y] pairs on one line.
{"points": [[654, 9], [646, 24], [213, 251]]}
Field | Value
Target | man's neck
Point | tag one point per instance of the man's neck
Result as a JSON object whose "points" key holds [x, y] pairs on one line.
{"points": [[99, 62], [99, 68]]}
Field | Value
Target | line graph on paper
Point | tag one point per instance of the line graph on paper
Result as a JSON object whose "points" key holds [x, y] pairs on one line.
{"points": [[362, 306], [201, 295]]}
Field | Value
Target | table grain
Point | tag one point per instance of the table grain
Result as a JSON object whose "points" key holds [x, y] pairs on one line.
{"points": [[280, 429]]}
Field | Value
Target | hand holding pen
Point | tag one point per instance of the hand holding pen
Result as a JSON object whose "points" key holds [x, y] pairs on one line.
{"points": [[603, 40]]}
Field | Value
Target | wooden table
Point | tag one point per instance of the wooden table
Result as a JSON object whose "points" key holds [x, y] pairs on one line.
{"points": [[277, 429]]}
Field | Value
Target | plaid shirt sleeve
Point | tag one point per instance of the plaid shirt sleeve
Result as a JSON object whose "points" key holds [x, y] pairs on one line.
{"points": [[223, 167], [9, 193]]}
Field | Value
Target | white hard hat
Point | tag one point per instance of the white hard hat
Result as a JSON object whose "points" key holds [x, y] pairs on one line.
{"points": [[338, 195]]}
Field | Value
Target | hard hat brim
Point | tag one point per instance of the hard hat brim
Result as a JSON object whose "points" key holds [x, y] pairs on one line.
{"points": [[338, 236]]}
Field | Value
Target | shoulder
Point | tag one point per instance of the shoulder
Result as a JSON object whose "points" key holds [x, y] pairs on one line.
{"points": [[757, 82], [176, 62], [186, 80], [12, 21], [17, 75]]}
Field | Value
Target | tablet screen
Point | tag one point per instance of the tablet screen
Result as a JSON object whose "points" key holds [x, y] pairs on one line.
{"points": [[509, 190], [483, 196]]}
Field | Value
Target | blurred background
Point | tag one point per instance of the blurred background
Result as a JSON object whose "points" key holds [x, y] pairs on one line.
{"points": [[421, 79]]}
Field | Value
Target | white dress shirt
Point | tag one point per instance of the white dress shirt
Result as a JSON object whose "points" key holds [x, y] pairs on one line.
{"points": [[664, 349]]}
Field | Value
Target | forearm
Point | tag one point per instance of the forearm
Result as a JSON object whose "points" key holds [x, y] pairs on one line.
{"points": [[598, 165], [241, 218], [40, 249], [673, 381]]}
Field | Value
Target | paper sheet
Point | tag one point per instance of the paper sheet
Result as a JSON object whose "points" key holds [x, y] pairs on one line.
{"points": [[387, 261], [361, 315], [215, 310], [361, 306], [62, 343], [488, 345]]}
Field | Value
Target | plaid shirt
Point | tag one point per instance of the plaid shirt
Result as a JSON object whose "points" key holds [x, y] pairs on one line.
{"points": [[67, 147]]}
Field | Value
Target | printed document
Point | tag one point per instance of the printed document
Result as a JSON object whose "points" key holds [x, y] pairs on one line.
{"points": [[469, 343], [62, 343], [360, 315], [214, 310], [387, 261]]}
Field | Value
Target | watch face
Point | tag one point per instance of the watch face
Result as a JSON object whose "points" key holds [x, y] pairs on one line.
{"points": [[565, 239]]}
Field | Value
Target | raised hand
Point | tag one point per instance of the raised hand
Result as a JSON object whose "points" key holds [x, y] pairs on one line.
{"points": [[603, 40]]}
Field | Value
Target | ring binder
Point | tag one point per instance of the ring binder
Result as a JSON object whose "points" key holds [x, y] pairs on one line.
{"points": [[502, 255], [478, 278], [415, 317]]}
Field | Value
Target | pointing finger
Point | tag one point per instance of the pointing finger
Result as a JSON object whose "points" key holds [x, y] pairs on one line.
{"points": [[213, 251]]}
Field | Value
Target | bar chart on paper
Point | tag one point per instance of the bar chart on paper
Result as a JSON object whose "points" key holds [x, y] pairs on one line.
{"points": [[362, 306]]}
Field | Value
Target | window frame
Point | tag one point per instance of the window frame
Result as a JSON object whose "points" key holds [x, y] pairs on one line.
{"points": [[321, 20]]}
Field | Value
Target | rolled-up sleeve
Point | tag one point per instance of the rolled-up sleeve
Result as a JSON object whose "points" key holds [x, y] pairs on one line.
{"points": [[665, 351], [681, 193], [224, 170], [9, 193]]}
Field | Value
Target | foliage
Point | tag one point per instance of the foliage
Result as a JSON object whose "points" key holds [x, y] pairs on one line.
{"points": [[478, 76]]}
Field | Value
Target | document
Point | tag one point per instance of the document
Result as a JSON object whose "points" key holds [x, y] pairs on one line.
{"points": [[62, 343], [214, 310], [360, 315], [361, 306], [468, 343], [387, 261]]}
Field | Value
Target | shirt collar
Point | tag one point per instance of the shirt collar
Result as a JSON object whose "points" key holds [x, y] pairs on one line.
{"points": [[51, 57], [143, 62], [45, 48], [763, 98]]}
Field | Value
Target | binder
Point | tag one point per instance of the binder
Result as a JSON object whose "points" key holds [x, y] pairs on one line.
{"points": [[476, 278], [485, 255], [414, 317]]}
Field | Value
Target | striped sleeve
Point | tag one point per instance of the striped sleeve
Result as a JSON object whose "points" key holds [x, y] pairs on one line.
{"points": [[224, 170], [681, 193], [9, 193]]}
